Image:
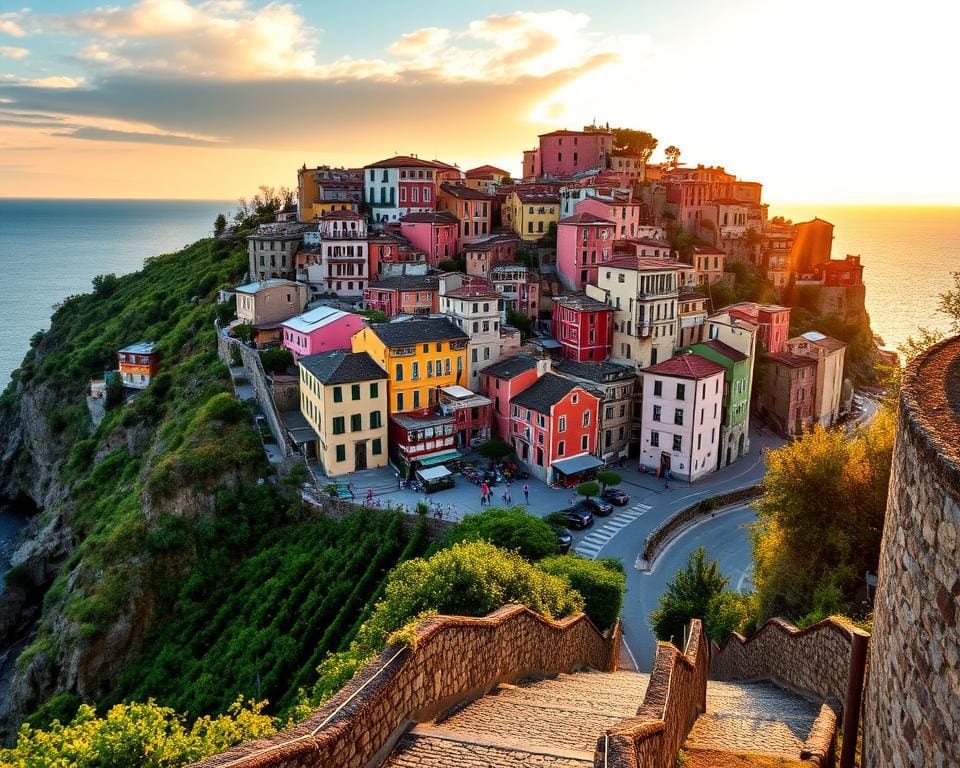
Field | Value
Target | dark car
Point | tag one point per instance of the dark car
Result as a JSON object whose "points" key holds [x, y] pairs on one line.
{"points": [[564, 540], [578, 517], [594, 507], [615, 496]]}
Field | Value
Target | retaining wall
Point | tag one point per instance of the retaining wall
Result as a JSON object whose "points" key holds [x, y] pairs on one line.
{"points": [[676, 695], [454, 659]]}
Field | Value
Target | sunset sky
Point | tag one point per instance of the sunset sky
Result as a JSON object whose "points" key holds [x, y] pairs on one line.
{"points": [[833, 101]]}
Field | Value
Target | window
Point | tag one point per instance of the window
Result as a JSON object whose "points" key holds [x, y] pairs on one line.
{"points": [[338, 394], [416, 398], [681, 391], [608, 414], [399, 375], [374, 390], [562, 424], [561, 448], [658, 388], [586, 418], [376, 447], [678, 416], [656, 413], [375, 420], [414, 370], [654, 439], [338, 428], [677, 442], [399, 401], [699, 440], [583, 443], [341, 453], [354, 391]]}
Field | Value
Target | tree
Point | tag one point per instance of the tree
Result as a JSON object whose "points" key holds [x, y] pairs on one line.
{"points": [[672, 154], [105, 285], [949, 303], [698, 591], [588, 489], [244, 331], [602, 584], [494, 449], [628, 141], [219, 225], [820, 518], [375, 315], [520, 321], [512, 529], [276, 360], [608, 477], [449, 265]]}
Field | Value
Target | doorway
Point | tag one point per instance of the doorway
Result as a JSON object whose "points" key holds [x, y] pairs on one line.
{"points": [[360, 456], [664, 462]]}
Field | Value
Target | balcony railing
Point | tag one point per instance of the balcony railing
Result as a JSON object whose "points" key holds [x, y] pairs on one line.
{"points": [[656, 294]]}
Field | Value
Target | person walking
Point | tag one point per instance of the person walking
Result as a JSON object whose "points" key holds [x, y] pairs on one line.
{"points": [[369, 497], [526, 493], [485, 490]]}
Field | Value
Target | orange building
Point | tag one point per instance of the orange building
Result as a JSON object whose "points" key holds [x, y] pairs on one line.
{"points": [[139, 363]]}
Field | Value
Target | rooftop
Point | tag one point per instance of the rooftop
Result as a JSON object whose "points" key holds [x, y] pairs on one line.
{"points": [[686, 366], [140, 348], [262, 285], [511, 367], [430, 217], [464, 192], [821, 340], [405, 161], [341, 367], [421, 422], [416, 330], [586, 218], [565, 132], [599, 372], [646, 264], [489, 242], [315, 318], [724, 349], [538, 197], [481, 171], [405, 283], [472, 292], [338, 215], [582, 302], [706, 249], [545, 392], [788, 358]]}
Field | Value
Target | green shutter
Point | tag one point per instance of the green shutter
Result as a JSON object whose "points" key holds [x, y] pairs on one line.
{"points": [[338, 394], [376, 447]]}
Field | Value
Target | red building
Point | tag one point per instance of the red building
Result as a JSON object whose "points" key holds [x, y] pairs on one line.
{"points": [[788, 397], [473, 208], [553, 429], [584, 241], [139, 363], [471, 415], [772, 321], [421, 441], [847, 273], [433, 233], [403, 295], [389, 248], [482, 255], [504, 379], [583, 326]]}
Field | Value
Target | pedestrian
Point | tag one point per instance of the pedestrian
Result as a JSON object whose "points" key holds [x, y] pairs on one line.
{"points": [[483, 497], [399, 482], [369, 496], [506, 495], [526, 493]]}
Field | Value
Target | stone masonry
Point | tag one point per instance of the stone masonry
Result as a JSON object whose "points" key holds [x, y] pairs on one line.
{"points": [[912, 707]]}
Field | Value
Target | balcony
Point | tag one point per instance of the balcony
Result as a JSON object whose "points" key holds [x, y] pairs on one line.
{"points": [[342, 234], [657, 294]]}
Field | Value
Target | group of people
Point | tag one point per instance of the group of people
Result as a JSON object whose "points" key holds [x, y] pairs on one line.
{"points": [[486, 495]]}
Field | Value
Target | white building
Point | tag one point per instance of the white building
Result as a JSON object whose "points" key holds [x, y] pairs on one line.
{"points": [[343, 264], [477, 312]]}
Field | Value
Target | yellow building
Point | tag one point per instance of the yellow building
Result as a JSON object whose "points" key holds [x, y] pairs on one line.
{"points": [[419, 356], [530, 214], [318, 209], [343, 397]]}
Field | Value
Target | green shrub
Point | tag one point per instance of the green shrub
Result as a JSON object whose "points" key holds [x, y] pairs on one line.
{"points": [[602, 584], [588, 489], [511, 529], [276, 360]]}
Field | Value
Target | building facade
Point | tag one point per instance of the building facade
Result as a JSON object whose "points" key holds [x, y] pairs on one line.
{"points": [[471, 207], [584, 241], [138, 364], [267, 303], [583, 326], [829, 354], [435, 234], [531, 213], [506, 378], [616, 384], [272, 251], [481, 256], [477, 311], [518, 286], [788, 393], [323, 329], [398, 186]]}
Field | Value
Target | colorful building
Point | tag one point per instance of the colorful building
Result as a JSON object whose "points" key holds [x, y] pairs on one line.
{"points": [[812, 245], [324, 189], [486, 178], [506, 378], [776, 246], [584, 241], [788, 396], [518, 286], [343, 397], [473, 209], [625, 214], [772, 321], [433, 233], [389, 248], [737, 390], [840, 273], [829, 354], [404, 295], [320, 330], [583, 326], [272, 249], [422, 440], [267, 303], [692, 311], [482, 255], [681, 416], [616, 385], [565, 153], [138, 364], [471, 416], [553, 429], [343, 266], [477, 311], [708, 264], [531, 213], [420, 356], [398, 186]]}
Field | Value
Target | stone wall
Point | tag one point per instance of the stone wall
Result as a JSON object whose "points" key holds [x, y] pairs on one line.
{"points": [[454, 659], [675, 697], [912, 706]]}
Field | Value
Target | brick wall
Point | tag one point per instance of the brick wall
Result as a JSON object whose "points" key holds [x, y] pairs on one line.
{"points": [[454, 659], [675, 697], [912, 705]]}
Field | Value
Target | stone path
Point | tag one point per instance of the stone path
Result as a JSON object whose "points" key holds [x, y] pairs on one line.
{"points": [[756, 718], [593, 542], [537, 722]]}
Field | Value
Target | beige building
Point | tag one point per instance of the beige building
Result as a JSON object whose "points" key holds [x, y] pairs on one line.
{"points": [[343, 397], [477, 311], [267, 303], [829, 354], [272, 250]]}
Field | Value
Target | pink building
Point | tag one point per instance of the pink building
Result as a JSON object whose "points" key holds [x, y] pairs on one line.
{"points": [[473, 208], [772, 321], [625, 214], [433, 233], [564, 153], [584, 240], [482, 255], [320, 330], [682, 412]]}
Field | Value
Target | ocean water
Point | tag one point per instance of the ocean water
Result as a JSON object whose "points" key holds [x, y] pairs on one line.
{"points": [[51, 249], [908, 255]]}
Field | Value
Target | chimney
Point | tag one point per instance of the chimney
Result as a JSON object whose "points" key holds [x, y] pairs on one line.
{"points": [[543, 366]]}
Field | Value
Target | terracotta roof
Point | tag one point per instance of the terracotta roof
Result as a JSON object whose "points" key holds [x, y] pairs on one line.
{"points": [[787, 358], [586, 218], [511, 366], [404, 161], [707, 249], [430, 217], [645, 263], [486, 170], [340, 367], [546, 391], [342, 214], [538, 197], [414, 331], [489, 242], [464, 192], [565, 132], [473, 292], [688, 366], [582, 302]]}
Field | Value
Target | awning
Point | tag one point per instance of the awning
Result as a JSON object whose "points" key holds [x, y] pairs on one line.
{"points": [[298, 428], [433, 473], [439, 458], [576, 464]]}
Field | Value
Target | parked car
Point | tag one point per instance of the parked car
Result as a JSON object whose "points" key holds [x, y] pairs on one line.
{"points": [[578, 517], [615, 496], [564, 540], [595, 507]]}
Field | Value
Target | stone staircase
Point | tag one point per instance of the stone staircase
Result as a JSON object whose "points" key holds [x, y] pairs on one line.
{"points": [[536, 722]]}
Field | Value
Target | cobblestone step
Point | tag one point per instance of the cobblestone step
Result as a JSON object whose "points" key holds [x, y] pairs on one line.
{"points": [[620, 692], [755, 717], [420, 751]]}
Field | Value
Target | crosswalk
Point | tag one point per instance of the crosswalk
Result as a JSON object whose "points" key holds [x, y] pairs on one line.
{"points": [[593, 542]]}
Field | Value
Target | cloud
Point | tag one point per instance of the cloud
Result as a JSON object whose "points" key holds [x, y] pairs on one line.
{"points": [[11, 24], [51, 81], [12, 52], [103, 134]]}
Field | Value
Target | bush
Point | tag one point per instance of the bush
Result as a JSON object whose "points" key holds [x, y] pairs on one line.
{"points": [[494, 449], [511, 529], [602, 584], [608, 478], [588, 489], [276, 360]]}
